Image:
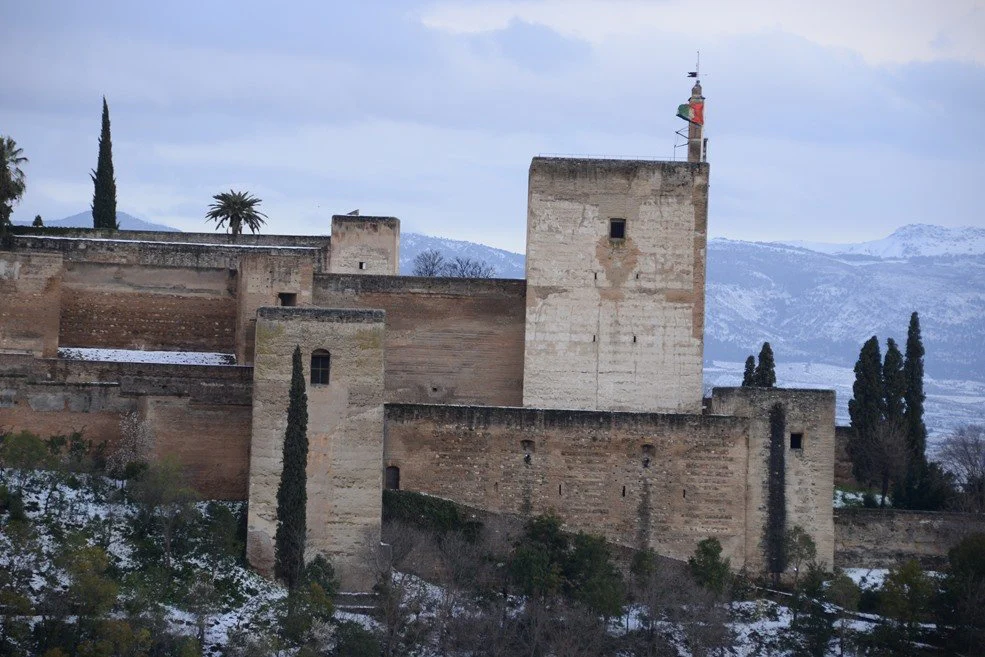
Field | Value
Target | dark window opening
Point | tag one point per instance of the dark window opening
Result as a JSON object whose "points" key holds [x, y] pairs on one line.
{"points": [[648, 453], [617, 229], [634, 338], [685, 493], [287, 299], [594, 338], [559, 489], [596, 274], [796, 441], [393, 477], [362, 265], [321, 365], [624, 491]]}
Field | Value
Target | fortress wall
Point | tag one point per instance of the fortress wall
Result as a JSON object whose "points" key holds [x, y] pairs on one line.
{"points": [[843, 462], [121, 251], [448, 340], [807, 474], [30, 295], [885, 538], [201, 415], [345, 435], [263, 278], [246, 239], [588, 466], [615, 323], [148, 307]]}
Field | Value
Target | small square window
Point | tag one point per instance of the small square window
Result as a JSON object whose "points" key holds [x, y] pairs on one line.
{"points": [[617, 229], [796, 441], [287, 299], [362, 265]]}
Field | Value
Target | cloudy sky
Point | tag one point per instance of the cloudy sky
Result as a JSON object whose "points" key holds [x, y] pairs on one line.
{"points": [[828, 121]]}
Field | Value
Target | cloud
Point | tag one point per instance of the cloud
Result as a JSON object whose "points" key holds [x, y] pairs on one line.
{"points": [[881, 31]]}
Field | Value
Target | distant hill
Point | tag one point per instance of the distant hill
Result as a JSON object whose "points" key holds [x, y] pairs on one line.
{"points": [[84, 220], [506, 263], [910, 241]]}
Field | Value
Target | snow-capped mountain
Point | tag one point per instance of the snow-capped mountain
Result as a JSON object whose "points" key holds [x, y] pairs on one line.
{"points": [[506, 263], [910, 241]]}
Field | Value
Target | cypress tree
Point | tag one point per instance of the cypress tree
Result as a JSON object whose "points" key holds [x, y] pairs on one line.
{"points": [[866, 409], [749, 375], [914, 396], [893, 385], [765, 375], [103, 181], [292, 496]]}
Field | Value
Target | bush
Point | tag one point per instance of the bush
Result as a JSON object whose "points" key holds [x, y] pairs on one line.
{"points": [[429, 513], [708, 568], [353, 640]]}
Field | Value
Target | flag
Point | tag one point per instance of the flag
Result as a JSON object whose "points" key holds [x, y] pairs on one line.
{"points": [[692, 74], [693, 112]]}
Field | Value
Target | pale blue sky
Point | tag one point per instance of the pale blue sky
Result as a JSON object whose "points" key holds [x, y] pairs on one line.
{"points": [[834, 121]]}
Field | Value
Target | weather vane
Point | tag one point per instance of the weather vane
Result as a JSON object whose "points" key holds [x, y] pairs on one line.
{"points": [[697, 68]]}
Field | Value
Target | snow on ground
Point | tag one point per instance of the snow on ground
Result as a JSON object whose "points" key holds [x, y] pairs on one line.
{"points": [[867, 578], [140, 356], [844, 499]]}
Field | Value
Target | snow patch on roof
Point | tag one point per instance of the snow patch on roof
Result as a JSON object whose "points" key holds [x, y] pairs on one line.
{"points": [[139, 356]]}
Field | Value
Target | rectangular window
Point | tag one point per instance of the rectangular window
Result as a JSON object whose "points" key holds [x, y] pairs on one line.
{"points": [[617, 229], [796, 441], [287, 299], [321, 364], [362, 265]]}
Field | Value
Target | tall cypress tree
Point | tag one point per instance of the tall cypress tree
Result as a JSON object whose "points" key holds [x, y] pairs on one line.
{"points": [[749, 375], [765, 375], [914, 395], [893, 385], [103, 181], [292, 494], [866, 409]]}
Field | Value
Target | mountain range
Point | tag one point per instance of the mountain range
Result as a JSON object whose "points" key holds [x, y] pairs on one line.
{"points": [[126, 221]]}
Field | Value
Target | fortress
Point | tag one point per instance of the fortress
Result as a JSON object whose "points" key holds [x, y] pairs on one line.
{"points": [[577, 390]]}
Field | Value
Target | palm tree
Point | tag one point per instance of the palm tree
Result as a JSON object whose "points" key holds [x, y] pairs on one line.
{"points": [[12, 184], [237, 208]]}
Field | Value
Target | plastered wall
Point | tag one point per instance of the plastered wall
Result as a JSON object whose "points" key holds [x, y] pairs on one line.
{"points": [[808, 473], [365, 245], [30, 297], [448, 340], [615, 324], [345, 435], [664, 481]]}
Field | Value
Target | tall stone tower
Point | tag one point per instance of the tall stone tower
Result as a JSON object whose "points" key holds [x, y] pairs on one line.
{"points": [[615, 284]]}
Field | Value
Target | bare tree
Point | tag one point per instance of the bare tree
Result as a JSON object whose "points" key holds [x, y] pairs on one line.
{"points": [[963, 454], [429, 263], [887, 453], [468, 268]]}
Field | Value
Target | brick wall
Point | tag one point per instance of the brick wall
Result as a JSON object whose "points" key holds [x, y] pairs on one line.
{"points": [[884, 538], [667, 481], [453, 341]]}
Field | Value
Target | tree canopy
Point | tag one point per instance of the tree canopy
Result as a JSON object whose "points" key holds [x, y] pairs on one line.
{"points": [[238, 210], [103, 180], [12, 183]]}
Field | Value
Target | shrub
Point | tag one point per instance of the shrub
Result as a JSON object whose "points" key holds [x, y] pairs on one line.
{"points": [[707, 566]]}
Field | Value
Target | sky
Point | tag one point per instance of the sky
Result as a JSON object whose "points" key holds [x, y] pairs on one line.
{"points": [[837, 121]]}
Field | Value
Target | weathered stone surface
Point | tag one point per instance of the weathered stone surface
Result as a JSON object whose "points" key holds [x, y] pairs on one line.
{"points": [[809, 471], [345, 435], [615, 324], [365, 245], [448, 340], [885, 538], [262, 279], [30, 297]]}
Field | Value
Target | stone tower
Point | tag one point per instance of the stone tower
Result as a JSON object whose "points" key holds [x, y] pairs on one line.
{"points": [[695, 129], [615, 284]]}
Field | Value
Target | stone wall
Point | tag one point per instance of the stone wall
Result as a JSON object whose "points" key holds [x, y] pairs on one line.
{"points": [[365, 245], [666, 481], [843, 462], [806, 475], [199, 414], [885, 538], [263, 280], [122, 306], [30, 297], [615, 324], [448, 340], [345, 435], [123, 251]]}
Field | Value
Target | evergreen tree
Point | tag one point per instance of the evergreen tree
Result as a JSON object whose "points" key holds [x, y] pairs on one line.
{"points": [[765, 375], [865, 409], [292, 497], [38, 221], [914, 396], [103, 181], [893, 384], [749, 375]]}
